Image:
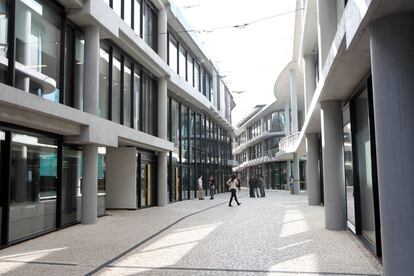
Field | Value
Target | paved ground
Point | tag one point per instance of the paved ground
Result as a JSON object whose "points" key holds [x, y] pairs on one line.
{"points": [[276, 235]]}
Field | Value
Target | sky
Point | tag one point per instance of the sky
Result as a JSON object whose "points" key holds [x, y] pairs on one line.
{"points": [[252, 57]]}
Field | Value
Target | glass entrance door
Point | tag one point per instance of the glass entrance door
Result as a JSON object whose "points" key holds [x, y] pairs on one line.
{"points": [[146, 185]]}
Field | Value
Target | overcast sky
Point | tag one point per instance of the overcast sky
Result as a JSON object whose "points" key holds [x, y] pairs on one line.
{"points": [[252, 57]]}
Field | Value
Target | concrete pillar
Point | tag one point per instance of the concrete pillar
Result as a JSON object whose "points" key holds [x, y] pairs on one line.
{"points": [[288, 172], [309, 79], [91, 104], [296, 174], [162, 133], [327, 25], [162, 34], [333, 165], [91, 80], [293, 101], [287, 116], [392, 63], [312, 169], [90, 184]]}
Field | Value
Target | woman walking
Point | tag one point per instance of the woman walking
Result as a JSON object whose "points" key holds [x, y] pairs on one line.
{"points": [[232, 183]]}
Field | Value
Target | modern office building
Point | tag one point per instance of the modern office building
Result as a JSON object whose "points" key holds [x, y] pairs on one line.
{"points": [[103, 104], [356, 59], [262, 142]]}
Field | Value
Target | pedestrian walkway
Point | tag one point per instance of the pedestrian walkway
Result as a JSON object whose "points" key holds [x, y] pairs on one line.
{"points": [[276, 235]]}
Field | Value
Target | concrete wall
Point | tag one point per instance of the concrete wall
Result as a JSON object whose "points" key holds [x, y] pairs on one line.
{"points": [[121, 175]]}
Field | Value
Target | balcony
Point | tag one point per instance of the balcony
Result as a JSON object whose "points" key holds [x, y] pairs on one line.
{"points": [[289, 144], [266, 134], [268, 156]]}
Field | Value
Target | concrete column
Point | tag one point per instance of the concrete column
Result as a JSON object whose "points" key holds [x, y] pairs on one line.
{"points": [[162, 34], [293, 101], [392, 63], [333, 165], [288, 171], [90, 184], [312, 169], [310, 79], [91, 104], [162, 133], [327, 25], [296, 174], [287, 116], [91, 80]]}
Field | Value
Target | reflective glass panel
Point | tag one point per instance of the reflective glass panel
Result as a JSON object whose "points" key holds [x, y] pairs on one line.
{"points": [[38, 49], [4, 22], [71, 185], [172, 54], [127, 93], [103, 84], [349, 172], [182, 62], [137, 16], [128, 12], [116, 88], [363, 155], [33, 179], [137, 95]]}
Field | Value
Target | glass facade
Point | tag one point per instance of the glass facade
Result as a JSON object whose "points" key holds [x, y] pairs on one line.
{"points": [[360, 169], [202, 148], [41, 183], [141, 16], [38, 47], [127, 98]]}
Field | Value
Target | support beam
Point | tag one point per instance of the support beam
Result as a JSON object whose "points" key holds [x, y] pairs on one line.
{"points": [[90, 184], [310, 79]]}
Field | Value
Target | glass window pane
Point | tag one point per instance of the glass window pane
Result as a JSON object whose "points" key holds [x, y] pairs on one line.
{"points": [[116, 6], [175, 123], [4, 22], [32, 185], [172, 54], [127, 94], [128, 12], [78, 70], [348, 162], [183, 62], [2, 140], [71, 185], [190, 69], [149, 30], [197, 76], [116, 87], [101, 171], [363, 155], [137, 16], [137, 100], [38, 49], [103, 84]]}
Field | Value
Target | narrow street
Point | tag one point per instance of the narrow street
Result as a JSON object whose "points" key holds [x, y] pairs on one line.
{"points": [[276, 235]]}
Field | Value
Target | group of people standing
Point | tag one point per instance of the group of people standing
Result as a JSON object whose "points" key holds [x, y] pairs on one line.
{"points": [[211, 186], [256, 184]]}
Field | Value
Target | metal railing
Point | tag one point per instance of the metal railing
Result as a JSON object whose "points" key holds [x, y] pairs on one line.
{"points": [[288, 144]]}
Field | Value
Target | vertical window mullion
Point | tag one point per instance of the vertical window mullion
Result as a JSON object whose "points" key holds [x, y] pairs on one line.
{"points": [[122, 9], [141, 95], [11, 40], [5, 189], [59, 184], [122, 91], [132, 111], [62, 60], [111, 52]]}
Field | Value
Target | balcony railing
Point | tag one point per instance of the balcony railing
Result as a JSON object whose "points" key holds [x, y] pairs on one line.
{"points": [[288, 144], [238, 148], [268, 156]]}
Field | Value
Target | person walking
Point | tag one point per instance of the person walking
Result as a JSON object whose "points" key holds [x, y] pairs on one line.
{"points": [[251, 192], [291, 183], [200, 188], [232, 183], [261, 186], [238, 184], [212, 186], [255, 183]]}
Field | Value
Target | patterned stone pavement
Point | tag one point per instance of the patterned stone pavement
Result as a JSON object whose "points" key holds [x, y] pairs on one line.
{"points": [[275, 235]]}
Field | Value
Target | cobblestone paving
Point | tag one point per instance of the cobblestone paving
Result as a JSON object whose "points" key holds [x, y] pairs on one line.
{"points": [[275, 235]]}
